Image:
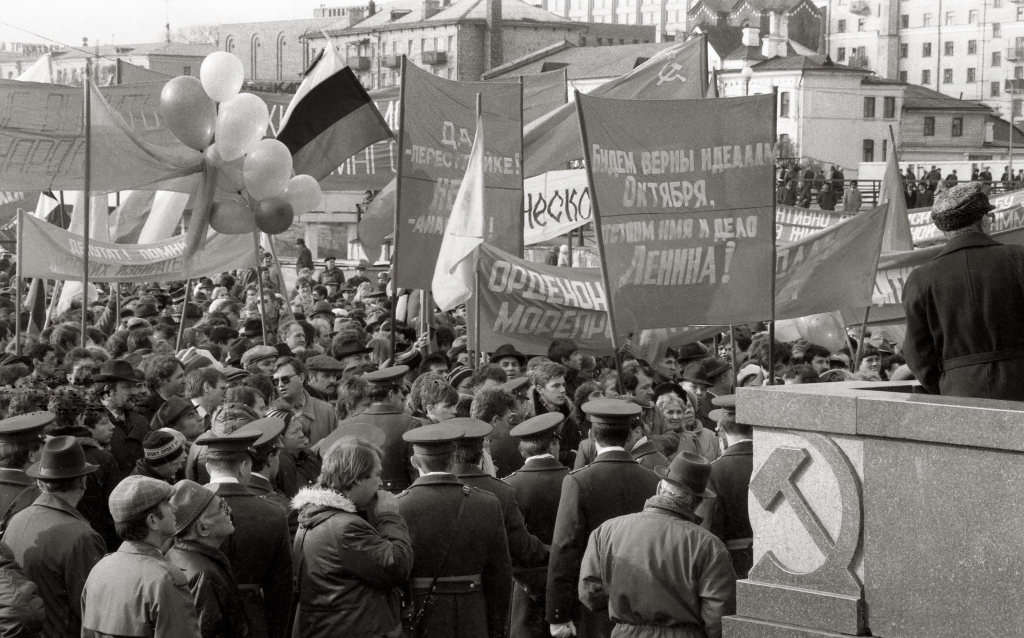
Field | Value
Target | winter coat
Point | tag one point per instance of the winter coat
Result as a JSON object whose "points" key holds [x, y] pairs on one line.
{"points": [[686, 597], [214, 590], [348, 571], [23, 612]]}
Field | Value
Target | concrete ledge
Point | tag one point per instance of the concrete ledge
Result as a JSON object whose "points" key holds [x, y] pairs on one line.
{"points": [[809, 609], [740, 627], [799, 407]]}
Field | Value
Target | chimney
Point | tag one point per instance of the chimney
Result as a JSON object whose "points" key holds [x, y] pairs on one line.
{"points": [[371, 8], [355, 14], [751, 37], [495, 50], [431, 8], [776, 44]]}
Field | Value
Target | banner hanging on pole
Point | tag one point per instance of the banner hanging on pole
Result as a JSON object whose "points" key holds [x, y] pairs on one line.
{"points": [[554, 204], [684, 196], [439, 119]]}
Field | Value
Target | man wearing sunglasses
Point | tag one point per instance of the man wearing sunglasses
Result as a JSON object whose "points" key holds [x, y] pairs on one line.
{"points": [[289, 379]]}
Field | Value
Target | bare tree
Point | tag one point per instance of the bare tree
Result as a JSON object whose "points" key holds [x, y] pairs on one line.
{"points": [[198, 34]]}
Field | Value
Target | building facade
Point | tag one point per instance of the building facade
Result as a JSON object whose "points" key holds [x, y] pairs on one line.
{"points": [[67, 66]]}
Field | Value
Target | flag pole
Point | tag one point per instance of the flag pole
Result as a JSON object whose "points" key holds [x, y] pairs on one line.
{"points": [[476, 313], [259, 283], [58, 288], [860, 341], [184, 314], [398, 203], [17, 285], [775, 257], [595, 216], [280, 274], [88, 203]]}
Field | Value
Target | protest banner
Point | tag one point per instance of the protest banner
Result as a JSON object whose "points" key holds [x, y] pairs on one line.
{"points": [[793, 223], [49, 252], [554, 204], [542, 92], [438, 120], [830, 269], [683, 203]]}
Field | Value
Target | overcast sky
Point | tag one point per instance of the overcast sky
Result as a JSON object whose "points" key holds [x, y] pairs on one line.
{"points": [[135, 21]]}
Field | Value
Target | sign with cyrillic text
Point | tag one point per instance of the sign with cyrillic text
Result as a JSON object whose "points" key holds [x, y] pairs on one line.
{"points": [[555, 203]]}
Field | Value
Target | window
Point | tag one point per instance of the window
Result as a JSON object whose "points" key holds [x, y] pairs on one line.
{"points": [[947, 76], [903, 77], [885, 150], [926, 76], [971, 76], [972, 16], [929, 126], [869, 151], [784, 104], [947, 48], [1016, 108], [972, 47], [841, 54], [997, 58], [927, 20], [904, 21], [993, 89], [186, 70], [958, 127], [1020, 14], [869, 107], [1018, 72], [926, 50], [904, 50], [861, 23], [841, 26], [949, 19], [996, 30], [889, 108]]}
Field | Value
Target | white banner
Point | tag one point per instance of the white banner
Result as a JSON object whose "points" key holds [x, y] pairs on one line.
{"points": [[555, 203]]}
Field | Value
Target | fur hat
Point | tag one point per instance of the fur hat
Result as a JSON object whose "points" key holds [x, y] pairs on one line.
{"points": [[960, 206]]}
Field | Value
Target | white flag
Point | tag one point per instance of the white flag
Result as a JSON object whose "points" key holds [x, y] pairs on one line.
{"points": [[453, 274]]}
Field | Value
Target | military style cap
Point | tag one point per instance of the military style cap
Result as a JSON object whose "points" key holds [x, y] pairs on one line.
{"points": [[325, 363], [259, 353], [476, 429], [136, 494], [611, 411], [539, 426], [437, 438], [725, 404], [25, 427], [232, 443], [387, 376], [517, 385], [266, 429], [366, 431]]}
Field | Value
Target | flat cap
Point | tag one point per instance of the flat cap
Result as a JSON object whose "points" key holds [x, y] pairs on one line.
{"points": [[612, 411], [234, 442], [190, 499], [233, 374], [25, 427], [325, 363], [136, 494], [267, 429], [437, 438], [476, 430], [726, 404], [539, 426], [387, 376], [258, 353], [172, 410]]}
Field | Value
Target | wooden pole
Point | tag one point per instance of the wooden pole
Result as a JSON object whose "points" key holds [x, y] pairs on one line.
{"points": [[476, 313], [184, 314], [860, 341], [771, 186], [733, 359], [280, 273], [259, 283], [88, 203], [398, 203], [17, 285], [58, 288]]}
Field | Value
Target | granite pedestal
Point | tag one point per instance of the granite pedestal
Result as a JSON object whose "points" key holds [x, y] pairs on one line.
{"points": [[880, 511]]}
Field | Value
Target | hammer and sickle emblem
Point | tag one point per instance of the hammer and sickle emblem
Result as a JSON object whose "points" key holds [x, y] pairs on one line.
{"points": [[775, 481], [670, 72]]}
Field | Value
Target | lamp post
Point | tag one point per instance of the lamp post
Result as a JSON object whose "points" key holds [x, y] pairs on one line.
{"points": [[747, 73]]}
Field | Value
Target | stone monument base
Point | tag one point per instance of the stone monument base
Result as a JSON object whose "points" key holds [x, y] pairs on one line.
{"points": [[740, 627]]}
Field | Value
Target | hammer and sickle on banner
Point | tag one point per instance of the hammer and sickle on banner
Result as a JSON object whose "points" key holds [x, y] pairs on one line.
{"points": [[670, 72], [775, 481]]}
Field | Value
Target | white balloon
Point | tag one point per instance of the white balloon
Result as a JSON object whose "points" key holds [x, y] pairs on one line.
{"points": [[303, 193], [268, 165], [221, 74], [241, 122]]}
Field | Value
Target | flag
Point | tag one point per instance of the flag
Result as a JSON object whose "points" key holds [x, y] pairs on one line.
{"points": [[378, 221], [897, 235], [40, 71], [453, 273], [678, 72], [330, 119], [164, 216]]}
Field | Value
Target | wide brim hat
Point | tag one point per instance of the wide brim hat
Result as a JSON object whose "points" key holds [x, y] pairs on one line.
{"points": [[688, 470], [63, 458], [118, 370], [505, 351]]}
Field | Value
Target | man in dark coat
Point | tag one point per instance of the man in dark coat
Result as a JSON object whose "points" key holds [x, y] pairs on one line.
{"points": [[202, 522], [694, 584], [23, 610], [538, 488], [613, 485], [21, 443], [730, 481], [117, 380], [965, 308], [458, 536], [260, 548], [305, 258], [52, 541], [385, 412]]}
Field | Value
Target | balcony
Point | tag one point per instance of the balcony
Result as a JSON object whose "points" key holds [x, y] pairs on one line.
{"points": [[391, 61], [358, 63], [1015, 54], [435, 57]]}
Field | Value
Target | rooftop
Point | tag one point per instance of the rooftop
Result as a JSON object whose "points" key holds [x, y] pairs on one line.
{"points": [[584, 63], [409, 12], [921, 98]]}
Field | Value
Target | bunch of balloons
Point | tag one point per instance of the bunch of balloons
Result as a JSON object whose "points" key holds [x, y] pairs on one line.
{"points": [[256, 186]]}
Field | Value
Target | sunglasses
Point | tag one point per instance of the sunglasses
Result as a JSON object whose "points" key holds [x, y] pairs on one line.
{"points": [[284, 379]]}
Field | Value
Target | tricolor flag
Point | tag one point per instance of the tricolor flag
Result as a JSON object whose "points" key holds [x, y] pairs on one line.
{"points": [[330, 119], [453, 274]]}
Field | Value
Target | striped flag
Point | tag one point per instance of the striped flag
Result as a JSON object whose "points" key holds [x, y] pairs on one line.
{"points": [[330, 119]]}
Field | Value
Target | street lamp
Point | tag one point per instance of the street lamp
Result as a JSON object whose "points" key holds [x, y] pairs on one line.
{"points": [[747, 73]]}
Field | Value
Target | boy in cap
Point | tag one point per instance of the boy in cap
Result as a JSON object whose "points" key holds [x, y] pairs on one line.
{"points": [[202, 524], [965, 307], [163, 457], [730, 481], [51, 540], [694, 585], [136, 591], [457, 535]]}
